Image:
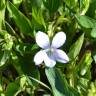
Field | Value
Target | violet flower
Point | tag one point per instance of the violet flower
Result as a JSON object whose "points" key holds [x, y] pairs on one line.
{"points": [[50, 53]]}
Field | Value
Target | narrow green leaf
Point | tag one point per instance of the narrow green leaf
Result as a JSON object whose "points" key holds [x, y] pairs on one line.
{"points": [[5, 57], [84, 5], [52, 5], [12, 31], [21, 20], [2, 13], [41, 83], [38, 16], [76, 47], [85, 64]]}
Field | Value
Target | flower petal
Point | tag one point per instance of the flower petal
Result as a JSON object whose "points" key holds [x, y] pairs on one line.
{"points": [[59, 40], [38, 58], [61, 56], [42, 40], [49, 61]]}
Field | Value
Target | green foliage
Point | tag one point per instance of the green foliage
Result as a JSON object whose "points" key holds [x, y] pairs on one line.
{"points": [[85, 65], [59, 84], [86, 21], [92, 90], [76, 47], [52, 5], [17, 2], [38, 17], [2, 13], [20, 20]]}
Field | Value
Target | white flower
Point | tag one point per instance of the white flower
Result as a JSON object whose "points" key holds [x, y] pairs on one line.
{"points": [[50, 53]]}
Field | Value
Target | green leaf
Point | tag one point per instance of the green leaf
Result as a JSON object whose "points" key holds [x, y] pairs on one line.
{"points": [[36, 3], [92, 89], [92, 9], [83, 85], [37, 14], [52, 5], [1, 89], [84, 5], [17, 2], [94, 56], [93, 32], [76, 47], [12, 31], [12, 89], [35, 80], [23, 81], [29, 4], [85, 64], [24, 65], [21, 20], [86, 21], [2, 13], [8, 40], [59, 84], [5, 57], [6, 46]]}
